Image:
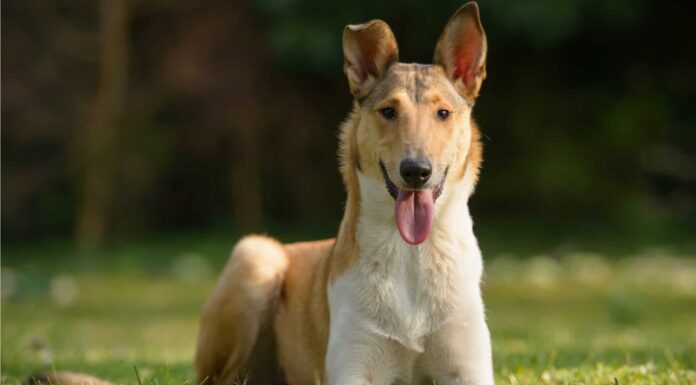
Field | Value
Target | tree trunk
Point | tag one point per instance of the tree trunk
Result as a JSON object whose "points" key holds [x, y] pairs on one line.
{"points": [[245, 167], [100, 138], [246, 121]]}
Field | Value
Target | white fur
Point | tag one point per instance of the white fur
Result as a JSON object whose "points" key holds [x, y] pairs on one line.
{"points": [[408, 313]]}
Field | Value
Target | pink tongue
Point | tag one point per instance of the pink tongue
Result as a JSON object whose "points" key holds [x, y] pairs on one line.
{"points": [[414, 215]]}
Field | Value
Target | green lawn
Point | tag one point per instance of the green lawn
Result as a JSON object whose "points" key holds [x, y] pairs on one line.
{"points": [[562, 317]]}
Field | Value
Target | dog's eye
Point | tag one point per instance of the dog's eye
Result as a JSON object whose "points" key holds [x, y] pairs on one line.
{"points": [[442, 114], [388, 113]]}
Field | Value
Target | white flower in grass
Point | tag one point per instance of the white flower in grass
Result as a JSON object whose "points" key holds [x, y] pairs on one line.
{"points": [[543, 271], [589, 268], [64, 290]]}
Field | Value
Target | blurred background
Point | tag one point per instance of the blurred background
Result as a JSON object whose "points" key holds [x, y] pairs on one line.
{"points": [[142, 138], [123, 118]]}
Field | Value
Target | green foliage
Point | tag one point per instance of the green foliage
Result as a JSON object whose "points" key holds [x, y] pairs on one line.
{"points": [[587, 110]]}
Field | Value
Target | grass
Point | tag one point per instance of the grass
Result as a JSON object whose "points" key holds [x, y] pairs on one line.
{"points": [[566, 316]]}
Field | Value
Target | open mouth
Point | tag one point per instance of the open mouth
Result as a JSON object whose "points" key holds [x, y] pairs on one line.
{"points": [[413, 209]]}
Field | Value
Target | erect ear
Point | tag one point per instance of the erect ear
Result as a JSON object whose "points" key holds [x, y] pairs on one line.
{"points": [[461, 50], [368, 50]]}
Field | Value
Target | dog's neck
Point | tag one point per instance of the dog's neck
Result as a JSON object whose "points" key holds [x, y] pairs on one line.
{"points": [[377, 235]]}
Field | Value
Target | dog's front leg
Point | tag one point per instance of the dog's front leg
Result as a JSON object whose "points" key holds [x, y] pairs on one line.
{"points": [[357, 356], [460, 353]]}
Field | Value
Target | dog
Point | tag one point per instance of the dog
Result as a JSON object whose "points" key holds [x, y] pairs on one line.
{"points": [[395, 297]]}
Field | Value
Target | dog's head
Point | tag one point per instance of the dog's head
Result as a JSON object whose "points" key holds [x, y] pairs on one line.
{"points": [[414, 129]]}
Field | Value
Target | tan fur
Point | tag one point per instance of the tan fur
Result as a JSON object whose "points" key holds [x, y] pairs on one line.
{"points": [[237, 316], [269, 312]]}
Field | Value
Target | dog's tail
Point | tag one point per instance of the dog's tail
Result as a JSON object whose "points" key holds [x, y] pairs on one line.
{"points": [[64, 378], [237, 319]]}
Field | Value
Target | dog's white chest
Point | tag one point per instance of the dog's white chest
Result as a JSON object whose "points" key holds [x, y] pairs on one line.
{"points": [[399, 291]]}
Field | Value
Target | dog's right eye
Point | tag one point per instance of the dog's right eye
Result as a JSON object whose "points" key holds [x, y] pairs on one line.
{"points": [[388, 112]]}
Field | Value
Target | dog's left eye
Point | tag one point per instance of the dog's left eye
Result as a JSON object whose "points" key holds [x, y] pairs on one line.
{"points": [[388, 112], [442, 114]]}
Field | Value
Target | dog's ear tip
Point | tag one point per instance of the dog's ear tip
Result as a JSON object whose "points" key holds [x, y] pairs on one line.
{"points": [[363, 26], [470, 6], [470, 9], [353, 28]]}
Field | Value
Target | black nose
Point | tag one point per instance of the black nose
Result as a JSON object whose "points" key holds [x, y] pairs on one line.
{"points": [[415, 171]]}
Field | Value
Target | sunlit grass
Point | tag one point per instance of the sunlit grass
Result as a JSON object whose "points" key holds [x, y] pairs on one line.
{"points": [[574, 318]]}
